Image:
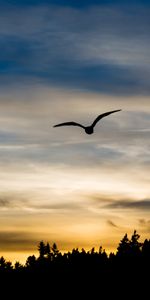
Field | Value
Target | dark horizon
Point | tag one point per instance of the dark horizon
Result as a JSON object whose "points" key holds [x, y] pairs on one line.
{"points": [[127, 247], [81, 273]]}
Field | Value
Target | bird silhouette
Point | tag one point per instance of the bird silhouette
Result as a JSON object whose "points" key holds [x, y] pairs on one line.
{"points": [[88, 129]]}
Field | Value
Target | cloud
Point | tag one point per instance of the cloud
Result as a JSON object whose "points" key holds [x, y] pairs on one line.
{"points": [[56, 44], [126, 204], [23, 240], [40, 202], [63, 207], [4, 202], [112, 224], [143, 221], [27, 135], [12, 200], [144, 225], [116, 201]]}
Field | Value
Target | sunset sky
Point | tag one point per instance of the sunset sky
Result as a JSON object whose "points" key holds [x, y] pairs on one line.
{"points": [[71, 61]]}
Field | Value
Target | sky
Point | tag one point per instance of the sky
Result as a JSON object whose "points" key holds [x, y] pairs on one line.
{"points": [[71, 61]]}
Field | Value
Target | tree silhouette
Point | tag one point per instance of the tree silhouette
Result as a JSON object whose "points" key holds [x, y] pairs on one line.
{"points": [[47, 249], [146, 249], [135, 245], [41, 248], [124, 246], [31, 261], [89, 269], [2, 263], [18, 266], [55, 250]]}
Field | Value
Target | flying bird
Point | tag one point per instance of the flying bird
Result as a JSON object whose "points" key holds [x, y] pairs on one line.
{"points": [[88, 129]]}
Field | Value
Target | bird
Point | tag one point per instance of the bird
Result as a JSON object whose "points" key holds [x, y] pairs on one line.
{"points": [[88, 129]]}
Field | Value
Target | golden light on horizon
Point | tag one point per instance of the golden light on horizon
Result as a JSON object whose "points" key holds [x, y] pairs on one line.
{"points": [[58, 184], [61, 187]]}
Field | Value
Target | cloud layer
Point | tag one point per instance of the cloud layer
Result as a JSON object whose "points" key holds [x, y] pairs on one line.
{"points": [[58, 45], [59, 184]]}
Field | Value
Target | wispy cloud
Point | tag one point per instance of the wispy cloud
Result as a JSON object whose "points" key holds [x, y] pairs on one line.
{"points": [[20, 239], [58, 44], [144, 224], [57, 66], [112, 224], [126, 204], [27, 132], [13, 200]]}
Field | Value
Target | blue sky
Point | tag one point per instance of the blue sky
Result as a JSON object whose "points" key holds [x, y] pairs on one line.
{"points": [[104, 48], [75, 3], [63, 62]]}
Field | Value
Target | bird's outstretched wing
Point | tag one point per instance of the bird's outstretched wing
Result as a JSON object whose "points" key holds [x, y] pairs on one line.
{"points": [[69, 124], [104, 115]]}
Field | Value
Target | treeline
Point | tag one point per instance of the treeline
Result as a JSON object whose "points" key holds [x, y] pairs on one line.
{"points": [[89, 273], [129, 252]]}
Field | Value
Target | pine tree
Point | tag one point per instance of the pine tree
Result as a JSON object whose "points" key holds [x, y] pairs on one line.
{"points": [[124, 246]]}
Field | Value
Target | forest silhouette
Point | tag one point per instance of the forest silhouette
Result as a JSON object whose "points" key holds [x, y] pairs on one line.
{"points": [[82, 270]]}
